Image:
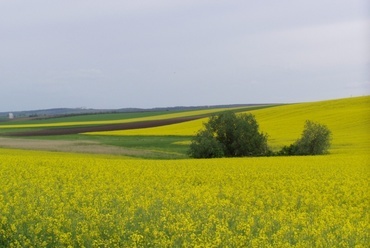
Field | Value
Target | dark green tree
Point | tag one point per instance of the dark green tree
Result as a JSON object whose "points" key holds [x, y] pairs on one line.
{"points": [[205, 146], [230, 135], [315, 140]]}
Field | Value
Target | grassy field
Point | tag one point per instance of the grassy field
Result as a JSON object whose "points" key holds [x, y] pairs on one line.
{"points": [[54, 199]]}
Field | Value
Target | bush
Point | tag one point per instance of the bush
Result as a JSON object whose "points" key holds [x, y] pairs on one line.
{"points": [[205, 146], [230, 135], [315, 140]]}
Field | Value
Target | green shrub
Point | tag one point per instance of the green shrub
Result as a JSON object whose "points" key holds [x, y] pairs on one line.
{"points": [[315, 140], [205, 146]]}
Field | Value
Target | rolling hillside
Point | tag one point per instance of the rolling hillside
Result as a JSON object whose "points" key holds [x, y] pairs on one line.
{"points": [[348, 119]]}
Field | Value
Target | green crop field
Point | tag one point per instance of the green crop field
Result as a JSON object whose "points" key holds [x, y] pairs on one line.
{"points": [[103, 119], [89, 117], [55, 199]]}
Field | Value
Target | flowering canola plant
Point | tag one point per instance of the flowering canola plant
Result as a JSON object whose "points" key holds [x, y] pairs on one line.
{"points": [[74, 200]]}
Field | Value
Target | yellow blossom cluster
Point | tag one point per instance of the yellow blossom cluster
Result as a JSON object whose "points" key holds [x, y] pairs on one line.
{"points": [[64, 200]]}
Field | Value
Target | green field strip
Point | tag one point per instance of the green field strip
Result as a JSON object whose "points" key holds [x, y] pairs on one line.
{"points": [[104, 122], [188, 128], [88, 117]]}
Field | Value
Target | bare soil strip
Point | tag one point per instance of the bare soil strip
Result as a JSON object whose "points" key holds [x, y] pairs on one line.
{"points": [[109, 127], [71, 146]]}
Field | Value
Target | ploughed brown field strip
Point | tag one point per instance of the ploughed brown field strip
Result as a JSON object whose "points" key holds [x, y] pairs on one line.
{"points": [[107, 127]]}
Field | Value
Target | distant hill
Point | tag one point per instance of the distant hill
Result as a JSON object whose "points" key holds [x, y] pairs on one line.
{"points": [[63, 112], [45, 113]]}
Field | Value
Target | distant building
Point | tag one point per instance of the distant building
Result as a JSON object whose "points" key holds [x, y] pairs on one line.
{"points": [[11, 116]]}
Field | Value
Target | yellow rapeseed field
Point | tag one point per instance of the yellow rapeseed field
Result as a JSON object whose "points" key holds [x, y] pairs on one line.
{"points": [[50, 199], [348, 119], [63, 200]]}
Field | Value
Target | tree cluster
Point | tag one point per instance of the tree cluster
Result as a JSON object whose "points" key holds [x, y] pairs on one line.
{"points": [[231, 135]]}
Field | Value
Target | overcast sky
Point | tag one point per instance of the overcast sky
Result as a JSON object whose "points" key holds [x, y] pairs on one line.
{"points": [[117, 54]]}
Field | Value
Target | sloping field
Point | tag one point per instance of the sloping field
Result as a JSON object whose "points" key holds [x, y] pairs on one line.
{"points": [[56, 123], [107, 122], [53, 199], [106, 127], [188, 128], [60, 200], [348, 119]]}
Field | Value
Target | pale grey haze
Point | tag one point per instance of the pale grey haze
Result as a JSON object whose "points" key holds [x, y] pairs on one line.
{"points": [[117, 54]]}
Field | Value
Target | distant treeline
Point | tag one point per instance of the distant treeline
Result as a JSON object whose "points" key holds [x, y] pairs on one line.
{"points": [[70, 112]]}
